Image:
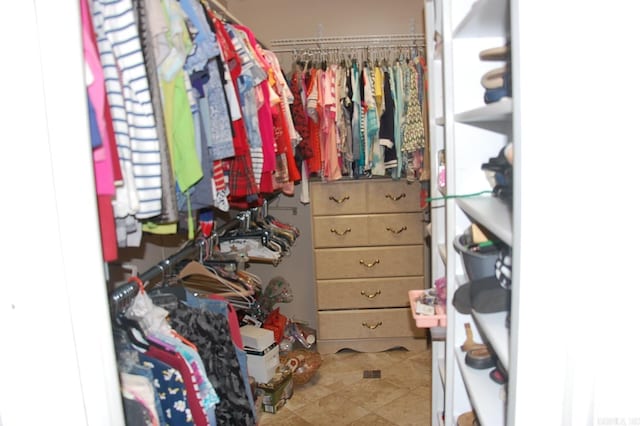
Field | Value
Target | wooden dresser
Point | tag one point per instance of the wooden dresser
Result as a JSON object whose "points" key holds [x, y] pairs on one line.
{"points": [[369, 251]]}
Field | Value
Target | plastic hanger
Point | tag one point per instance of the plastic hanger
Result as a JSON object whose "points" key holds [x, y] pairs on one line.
{"points": [[133, 330]]}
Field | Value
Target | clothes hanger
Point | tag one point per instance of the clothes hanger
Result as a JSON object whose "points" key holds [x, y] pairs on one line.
{"points": [[188, 275], [133, 331], [167, 296]]}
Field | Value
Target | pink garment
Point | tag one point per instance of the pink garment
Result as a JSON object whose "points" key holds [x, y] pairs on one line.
{"points": [[102, 156], [331, 166], [264, 117]]}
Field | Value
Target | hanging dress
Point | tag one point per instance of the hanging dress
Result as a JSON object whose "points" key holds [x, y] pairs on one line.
{"points": [[243, 189]]}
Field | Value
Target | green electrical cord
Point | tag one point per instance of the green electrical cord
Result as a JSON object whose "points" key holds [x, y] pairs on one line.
{"points": [[445, 197]]}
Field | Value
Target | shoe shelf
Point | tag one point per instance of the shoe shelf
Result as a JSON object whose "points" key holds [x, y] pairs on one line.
{"points": [[496, 116], [494, 330], [490, 213], [484, 393], [486, 18]]}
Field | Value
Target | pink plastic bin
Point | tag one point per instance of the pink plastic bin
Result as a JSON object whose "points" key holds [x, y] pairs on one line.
{"points": [[427, 321]]}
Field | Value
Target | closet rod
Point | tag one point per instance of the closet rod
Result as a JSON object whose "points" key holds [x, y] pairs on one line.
{"points": [[125, 292], [364, 39], [316, 49]]}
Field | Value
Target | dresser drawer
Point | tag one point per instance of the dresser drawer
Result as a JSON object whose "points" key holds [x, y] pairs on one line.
{"points": [[338, 198], [369, 293], [340, 231], [366, 324], [368, 230], [395, 229], [387, 196], [369, 262]]}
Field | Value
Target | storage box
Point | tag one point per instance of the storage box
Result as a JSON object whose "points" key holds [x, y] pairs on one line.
{"points": [[439, 319], [477, 265], [256, 338], [262, 365], [276, 393]]}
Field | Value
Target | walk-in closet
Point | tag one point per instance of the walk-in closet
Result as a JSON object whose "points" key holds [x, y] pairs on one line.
{"points": [[245, 212]]}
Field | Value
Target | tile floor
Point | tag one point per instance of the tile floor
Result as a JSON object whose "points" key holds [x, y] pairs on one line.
{"points": [[339, 395]]}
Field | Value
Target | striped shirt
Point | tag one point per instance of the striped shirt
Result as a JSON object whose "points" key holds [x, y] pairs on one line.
{"points": [[131, 108]]}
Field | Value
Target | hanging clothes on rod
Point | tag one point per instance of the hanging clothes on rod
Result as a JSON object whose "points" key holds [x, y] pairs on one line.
{"points": [[189, 115], [359, 108], [198, 330], [207, 361]]}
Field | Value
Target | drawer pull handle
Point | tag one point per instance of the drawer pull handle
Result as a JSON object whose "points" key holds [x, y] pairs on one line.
{"points": [[399, 197], [372, 327], [341, 200], [370, 295], [396, 231], [345, 232], [370, 265]]}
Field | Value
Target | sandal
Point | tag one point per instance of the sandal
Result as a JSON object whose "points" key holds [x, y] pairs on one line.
{"points": [[467, 419], [469, 344]]}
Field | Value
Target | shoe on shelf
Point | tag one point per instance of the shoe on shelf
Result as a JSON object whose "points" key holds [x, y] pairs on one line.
{"points": [[502, 91], [467, 419], [494, 79], [469, 344], [480, 359], [499, 53], [498, 374]]}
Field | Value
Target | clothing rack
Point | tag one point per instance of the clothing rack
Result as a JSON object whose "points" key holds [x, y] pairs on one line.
{"points": [[350, 42], [125, 293]]}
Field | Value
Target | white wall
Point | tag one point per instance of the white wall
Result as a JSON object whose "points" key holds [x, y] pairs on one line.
{"points": [[57, 353], [285, 19]]}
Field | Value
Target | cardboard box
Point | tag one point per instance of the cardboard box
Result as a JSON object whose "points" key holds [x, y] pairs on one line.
{"points": [[262, 365], [256, 338], [276, 393]]}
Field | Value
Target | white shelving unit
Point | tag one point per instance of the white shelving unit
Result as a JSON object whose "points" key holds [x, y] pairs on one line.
{"points": [[574, 107], [470, 132]]}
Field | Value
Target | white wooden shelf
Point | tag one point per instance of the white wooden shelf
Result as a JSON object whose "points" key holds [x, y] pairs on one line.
{"points": [[470, 132], [493, 328], [484, 393], [496, 116], [491, 213], [442, 370], [487, 18]]}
